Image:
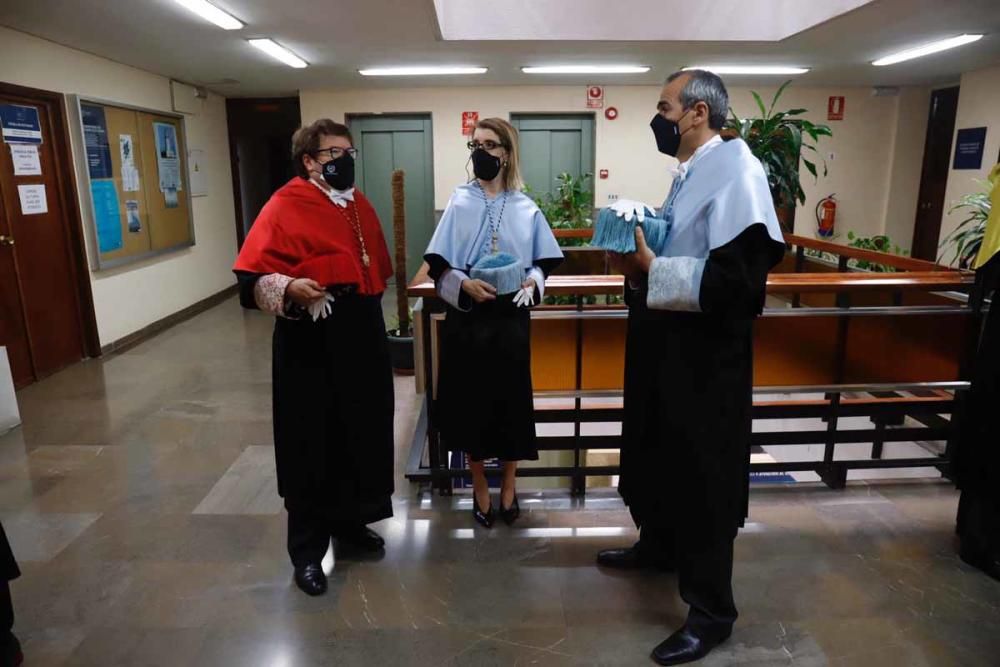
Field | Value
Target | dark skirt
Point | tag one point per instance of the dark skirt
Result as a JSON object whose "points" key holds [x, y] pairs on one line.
{"points": [[333, 412], [485, 399]]}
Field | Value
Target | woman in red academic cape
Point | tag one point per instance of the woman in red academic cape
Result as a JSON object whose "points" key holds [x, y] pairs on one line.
{"points": [[316, 259]]}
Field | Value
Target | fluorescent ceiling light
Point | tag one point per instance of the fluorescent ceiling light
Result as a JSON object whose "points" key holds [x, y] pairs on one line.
{"points": [[927, 49], [587, 69], [210, 12], [421, 71], [279, 52], [749, 69]]}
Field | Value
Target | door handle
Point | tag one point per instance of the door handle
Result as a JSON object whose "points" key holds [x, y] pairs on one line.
{"points": [[6, 240]]}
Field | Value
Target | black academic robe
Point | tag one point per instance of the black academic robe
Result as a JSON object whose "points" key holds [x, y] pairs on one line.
{"points": [[977, 457], [333, 408], [688, 397], [8, 566]]}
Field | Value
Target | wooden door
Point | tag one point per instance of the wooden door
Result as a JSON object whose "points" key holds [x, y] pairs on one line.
{"points": [[934, 175], [45, 292]]}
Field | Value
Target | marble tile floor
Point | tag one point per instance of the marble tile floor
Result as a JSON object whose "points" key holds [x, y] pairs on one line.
{"points": [[139, 497]]}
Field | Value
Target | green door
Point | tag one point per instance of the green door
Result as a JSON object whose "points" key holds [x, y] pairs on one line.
{"points": [[551, 145], [387, 143]]}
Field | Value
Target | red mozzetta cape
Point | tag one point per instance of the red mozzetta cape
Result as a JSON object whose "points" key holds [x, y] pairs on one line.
{"points": [[302, 234]]}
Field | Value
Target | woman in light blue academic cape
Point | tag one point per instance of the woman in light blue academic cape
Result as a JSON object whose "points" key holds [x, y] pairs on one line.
{"points": [[489, 258]]}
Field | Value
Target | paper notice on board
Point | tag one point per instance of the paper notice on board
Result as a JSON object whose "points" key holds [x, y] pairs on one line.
{"points": [[106, 215], [95, 133], [33, 201], [170, 195], [25, 159], [196, 172], [168, 160], [132, 211], [130, 175]]}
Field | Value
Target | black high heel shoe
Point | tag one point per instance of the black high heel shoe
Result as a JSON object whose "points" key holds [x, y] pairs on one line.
{"points": [[484, 519], [510, 514]]}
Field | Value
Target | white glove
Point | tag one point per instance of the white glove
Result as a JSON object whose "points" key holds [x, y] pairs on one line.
{"points": [[629, 208], [524, 297], [320, 308]]}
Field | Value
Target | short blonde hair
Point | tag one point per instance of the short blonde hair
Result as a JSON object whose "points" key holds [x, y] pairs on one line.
{"points": [[508, 139]]}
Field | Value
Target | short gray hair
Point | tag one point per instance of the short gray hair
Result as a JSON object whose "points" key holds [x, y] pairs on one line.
{"points": [[707, 87]]}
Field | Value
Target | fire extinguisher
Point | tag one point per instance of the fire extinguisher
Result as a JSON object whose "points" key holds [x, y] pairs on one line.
{"points": [[826, 215]]}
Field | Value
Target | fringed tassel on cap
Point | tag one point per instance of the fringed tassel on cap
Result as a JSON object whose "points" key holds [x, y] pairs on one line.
{"points": [[501, 270], [616, 235]]}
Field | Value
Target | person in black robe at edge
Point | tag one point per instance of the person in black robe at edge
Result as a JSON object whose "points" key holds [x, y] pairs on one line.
{"points": [[977, 457], [485, 392], [10, 648], [316, 259], [688, 360]]}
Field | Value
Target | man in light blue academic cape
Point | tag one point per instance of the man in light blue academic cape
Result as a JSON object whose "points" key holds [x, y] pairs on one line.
{"points": [[688, 360]]}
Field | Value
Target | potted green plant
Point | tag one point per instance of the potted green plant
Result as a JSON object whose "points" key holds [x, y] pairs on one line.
{"points": [[878, 243], [777, 139], [400, 338], [571, 206], [967, 238]]}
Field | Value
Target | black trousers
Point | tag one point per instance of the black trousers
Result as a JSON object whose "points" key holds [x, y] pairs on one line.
{"points": [[9, 646], [309, 534], [704, 574]]}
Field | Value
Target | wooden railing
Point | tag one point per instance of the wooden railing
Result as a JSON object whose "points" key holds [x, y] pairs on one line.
{"points": [[882, 336], [777, 283], [846, 253], [803, 243]]}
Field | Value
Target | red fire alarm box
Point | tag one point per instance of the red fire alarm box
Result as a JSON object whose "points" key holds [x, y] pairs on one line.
{"points": [[611, 113], [595, 97], [604, 174]]}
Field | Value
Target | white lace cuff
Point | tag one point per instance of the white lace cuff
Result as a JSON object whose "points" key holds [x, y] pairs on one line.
{"points": [[269, 293]]}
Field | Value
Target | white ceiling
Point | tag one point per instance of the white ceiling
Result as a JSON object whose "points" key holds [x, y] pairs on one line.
{"points": [[339, 37]]}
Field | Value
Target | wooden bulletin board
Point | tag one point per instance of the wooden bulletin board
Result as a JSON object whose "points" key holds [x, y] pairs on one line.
{"points": [[134, 173]]}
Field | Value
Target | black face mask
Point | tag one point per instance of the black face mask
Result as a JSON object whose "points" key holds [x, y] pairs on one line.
{"points": [[668, 134], [339, 173], [486, 167]]}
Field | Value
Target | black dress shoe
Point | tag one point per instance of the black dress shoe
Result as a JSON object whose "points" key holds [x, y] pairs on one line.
{"points": [[510, 514], [310, 579], [484, 519], [363, 538], [982, 560], [10, 651], [632, 558], [685, 646]]}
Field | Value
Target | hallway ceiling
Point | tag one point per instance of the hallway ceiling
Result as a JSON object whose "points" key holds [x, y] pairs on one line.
{"points": [[339, 38]]}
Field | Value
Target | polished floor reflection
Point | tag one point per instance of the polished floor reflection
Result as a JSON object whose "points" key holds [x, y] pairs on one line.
{"points": [[139, 497]]}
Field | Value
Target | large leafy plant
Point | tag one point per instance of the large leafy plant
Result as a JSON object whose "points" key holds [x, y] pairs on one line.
{"points": [[777, 139], [570, 206], [967, 238]]}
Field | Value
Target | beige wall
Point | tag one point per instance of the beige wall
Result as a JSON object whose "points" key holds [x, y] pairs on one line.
{"points": [[867, 146], [978, 106], [127, 299]]}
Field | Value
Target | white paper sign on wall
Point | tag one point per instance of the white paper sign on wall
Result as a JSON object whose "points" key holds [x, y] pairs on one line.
{"points": [[33, 200]]}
